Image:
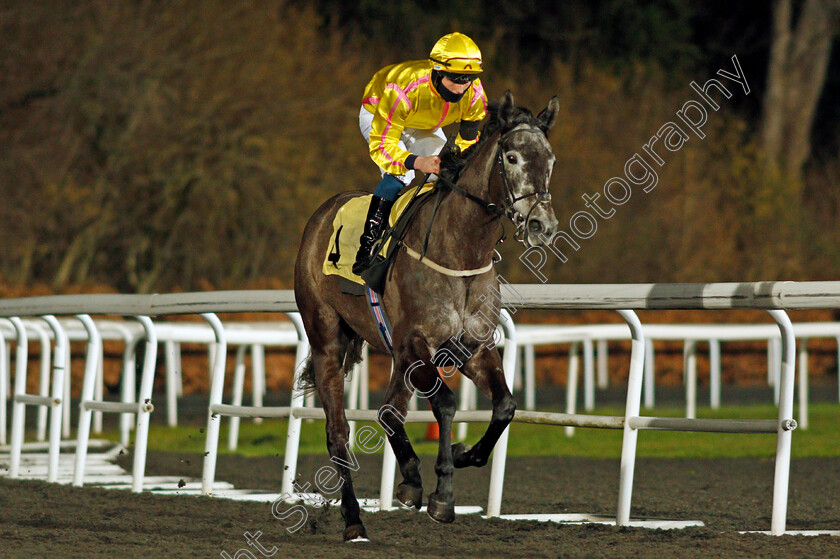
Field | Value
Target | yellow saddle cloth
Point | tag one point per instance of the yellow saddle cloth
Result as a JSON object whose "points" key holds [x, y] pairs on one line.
{"points": [[348, 225]]}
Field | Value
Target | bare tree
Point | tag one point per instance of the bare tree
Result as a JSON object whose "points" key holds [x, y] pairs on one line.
{"points": [[799, 58]]}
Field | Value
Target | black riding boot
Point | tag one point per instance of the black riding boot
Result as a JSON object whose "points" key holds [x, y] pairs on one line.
{"points": [[377, 215]]}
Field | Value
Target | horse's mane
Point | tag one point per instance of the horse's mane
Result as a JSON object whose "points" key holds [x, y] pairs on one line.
{"points": [[453, 161], [514, 117]]}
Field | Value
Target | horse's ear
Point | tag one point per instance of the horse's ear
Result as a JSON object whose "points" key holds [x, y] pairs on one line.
{"points": [[506, 109], [548, 116]]}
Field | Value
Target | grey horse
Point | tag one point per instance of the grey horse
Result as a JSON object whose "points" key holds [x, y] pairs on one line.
{"points": [[442, 307]]}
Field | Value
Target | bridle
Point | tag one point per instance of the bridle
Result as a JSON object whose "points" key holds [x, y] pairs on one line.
{"points": [[542, 196], [507, 209], [509, 199]]}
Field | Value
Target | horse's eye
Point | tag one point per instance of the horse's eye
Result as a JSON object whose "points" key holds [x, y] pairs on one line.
{"points": [[511, 159]]}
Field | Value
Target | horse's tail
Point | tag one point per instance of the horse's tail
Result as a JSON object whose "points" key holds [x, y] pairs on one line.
{"points": [[352, 355], [306, 379]]}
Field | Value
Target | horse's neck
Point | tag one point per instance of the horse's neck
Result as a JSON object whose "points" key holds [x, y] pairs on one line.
{"points": [[464, 233]]}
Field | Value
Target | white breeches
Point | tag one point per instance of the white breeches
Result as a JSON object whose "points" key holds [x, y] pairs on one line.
{"points": [[419, 142]]}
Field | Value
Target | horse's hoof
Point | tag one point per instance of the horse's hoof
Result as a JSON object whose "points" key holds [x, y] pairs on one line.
{"points": [[355, 534], [441, 511], [410, 495], [461, 455]]}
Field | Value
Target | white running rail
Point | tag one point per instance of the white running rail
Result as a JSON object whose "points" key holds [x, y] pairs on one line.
{"points": [[772, 296]]}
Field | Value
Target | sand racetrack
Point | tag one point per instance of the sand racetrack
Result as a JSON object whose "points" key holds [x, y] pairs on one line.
{"points": [[46, 520]]}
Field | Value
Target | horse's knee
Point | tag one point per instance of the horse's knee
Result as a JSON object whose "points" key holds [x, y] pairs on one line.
{"points": [[505, 411], [478, 460], [444, 468], [447, 404]]}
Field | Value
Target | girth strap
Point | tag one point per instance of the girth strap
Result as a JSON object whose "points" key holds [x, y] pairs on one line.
{"points": [[444, 270]]}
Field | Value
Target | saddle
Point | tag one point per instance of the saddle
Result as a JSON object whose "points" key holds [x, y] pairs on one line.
{"points": [[347, 229]]}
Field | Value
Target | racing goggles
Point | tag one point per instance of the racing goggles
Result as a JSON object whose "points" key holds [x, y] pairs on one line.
{"points": [[459, 78]]}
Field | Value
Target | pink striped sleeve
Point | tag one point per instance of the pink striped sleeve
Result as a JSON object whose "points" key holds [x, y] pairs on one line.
{"points": [[401, 96], [479, 95]]}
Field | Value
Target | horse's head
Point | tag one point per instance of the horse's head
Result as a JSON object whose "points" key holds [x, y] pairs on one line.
{"points": [[524, 162]]}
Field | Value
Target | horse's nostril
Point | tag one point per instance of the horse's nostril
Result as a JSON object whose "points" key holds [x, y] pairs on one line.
{"points": [[535, 226]]}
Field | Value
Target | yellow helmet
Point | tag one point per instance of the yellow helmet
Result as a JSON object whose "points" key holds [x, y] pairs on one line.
{"points": [[457, 54]]}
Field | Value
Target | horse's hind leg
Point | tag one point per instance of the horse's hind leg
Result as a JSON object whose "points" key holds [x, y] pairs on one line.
{"points": [[485, 370], [329, 378], [392, 417]]}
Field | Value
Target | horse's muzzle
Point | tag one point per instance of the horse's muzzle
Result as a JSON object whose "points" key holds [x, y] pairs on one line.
{"points": [[541, 228]]}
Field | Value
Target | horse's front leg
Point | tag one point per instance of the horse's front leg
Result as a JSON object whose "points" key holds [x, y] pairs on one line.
{"points": [[422, 375], [485, 370], [442, 501]]}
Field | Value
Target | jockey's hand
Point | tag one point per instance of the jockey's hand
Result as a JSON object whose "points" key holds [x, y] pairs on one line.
{"points": [[430, 164]]}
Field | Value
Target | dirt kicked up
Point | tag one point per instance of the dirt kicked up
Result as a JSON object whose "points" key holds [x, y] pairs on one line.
{"points": [[47, 520]]}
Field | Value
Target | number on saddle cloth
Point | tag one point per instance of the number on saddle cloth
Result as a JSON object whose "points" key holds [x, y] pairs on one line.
{"points": [[335, 254]]}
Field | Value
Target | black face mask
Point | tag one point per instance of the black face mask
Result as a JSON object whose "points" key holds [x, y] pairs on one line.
{"points": [[447, 95]]}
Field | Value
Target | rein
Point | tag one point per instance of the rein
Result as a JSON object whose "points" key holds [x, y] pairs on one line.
{"points": [[489, 206]]}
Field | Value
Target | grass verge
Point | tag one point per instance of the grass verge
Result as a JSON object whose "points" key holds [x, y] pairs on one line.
{"points": [[822, 438]]}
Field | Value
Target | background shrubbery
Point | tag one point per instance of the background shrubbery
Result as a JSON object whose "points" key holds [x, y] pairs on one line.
{"points": [[157, 146]]}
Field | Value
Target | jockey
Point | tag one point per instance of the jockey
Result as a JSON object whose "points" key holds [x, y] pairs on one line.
{"points": [[403, 109]]}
